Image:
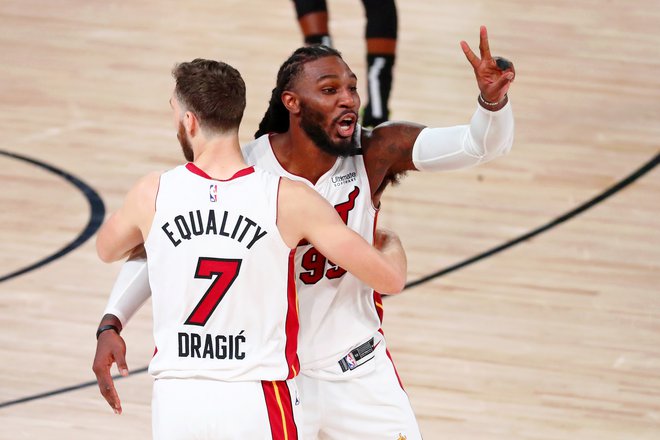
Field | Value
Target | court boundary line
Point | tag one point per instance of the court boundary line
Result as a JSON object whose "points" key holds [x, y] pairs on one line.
{"points": [[648, 166], [96, 216], [641, 171]]}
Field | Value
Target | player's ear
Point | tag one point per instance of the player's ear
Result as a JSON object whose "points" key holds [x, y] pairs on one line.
{"points": [[291, 102], [191, 123]]}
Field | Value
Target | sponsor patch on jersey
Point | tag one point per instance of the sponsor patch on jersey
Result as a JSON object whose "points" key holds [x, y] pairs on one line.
{"points": [[343, 179], [358, 356], [213, 193]]}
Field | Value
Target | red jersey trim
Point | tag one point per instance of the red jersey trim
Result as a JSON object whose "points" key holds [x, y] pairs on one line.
{"points": [[395, 372], [378, 300], [196, 170], [378, 304], [292, 321]]}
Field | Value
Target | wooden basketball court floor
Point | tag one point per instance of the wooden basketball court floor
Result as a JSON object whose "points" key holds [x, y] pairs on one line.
{"points": [[540, 318]]}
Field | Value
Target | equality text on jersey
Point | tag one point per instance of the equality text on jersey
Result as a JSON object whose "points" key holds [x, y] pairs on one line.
{"points": [[197, 223]]}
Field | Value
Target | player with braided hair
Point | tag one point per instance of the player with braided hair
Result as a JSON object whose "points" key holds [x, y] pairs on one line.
{"points": [[348, 384], [276, 118], [220, 236], [380, 34]]}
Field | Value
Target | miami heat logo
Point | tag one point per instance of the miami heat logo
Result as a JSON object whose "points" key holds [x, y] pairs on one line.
{"points": [[402, 437]]}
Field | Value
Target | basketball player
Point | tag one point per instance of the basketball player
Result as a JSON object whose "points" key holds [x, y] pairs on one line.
{"points": [[380, 34], [348, 382], [220, 237]]}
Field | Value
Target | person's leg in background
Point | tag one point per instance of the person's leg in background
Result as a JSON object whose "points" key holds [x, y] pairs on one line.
{"points": [[313, 21], [381, 35]]}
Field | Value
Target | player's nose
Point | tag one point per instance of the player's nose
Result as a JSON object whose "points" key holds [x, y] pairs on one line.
{"points": [[348, 98]]}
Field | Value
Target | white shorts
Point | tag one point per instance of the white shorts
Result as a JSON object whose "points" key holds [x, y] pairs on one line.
{"points": [[204, 409], [371, 405]]}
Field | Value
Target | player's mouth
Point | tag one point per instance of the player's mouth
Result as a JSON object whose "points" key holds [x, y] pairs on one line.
{"points": [[346, 124]]}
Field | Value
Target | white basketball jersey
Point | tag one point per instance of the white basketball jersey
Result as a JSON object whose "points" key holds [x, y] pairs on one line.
{"points": [[337, 311], [223, 293]]}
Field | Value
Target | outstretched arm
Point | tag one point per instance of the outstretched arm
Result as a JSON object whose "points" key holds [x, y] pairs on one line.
{"points": [[121, 235], [303, 213], [394, 148]]}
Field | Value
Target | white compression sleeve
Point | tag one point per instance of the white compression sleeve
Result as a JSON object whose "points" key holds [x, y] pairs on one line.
{"points": [[489, 135], [131, 290]]}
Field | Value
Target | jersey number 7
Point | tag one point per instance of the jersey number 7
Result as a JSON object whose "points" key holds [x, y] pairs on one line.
{"points": [[225, 271]]}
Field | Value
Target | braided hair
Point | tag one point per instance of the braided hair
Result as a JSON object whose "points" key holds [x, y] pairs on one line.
{"points": [[276, 118]]}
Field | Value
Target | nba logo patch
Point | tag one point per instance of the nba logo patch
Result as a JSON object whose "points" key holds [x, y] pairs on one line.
{"points": [[213, 193], [351, 361]]}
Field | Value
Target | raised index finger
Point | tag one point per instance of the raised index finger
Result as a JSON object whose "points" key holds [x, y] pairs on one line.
{"points": [[484, 48]]}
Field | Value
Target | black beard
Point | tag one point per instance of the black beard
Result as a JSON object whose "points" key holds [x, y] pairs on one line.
{"points": [[186, 147], [310, 122]]}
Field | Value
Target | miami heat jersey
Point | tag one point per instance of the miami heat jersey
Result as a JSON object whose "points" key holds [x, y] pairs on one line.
{"points": [[337, 311], [222, 279]]}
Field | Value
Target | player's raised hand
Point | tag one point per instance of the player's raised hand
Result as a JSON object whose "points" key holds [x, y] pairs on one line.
{"points": [[494, 74], [110, 348]]}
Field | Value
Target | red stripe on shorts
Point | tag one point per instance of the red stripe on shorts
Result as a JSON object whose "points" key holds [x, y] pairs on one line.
{"points": [[280, 410]]}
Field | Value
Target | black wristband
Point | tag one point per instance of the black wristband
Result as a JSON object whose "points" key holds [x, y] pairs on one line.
{"points": [[106, 327]]}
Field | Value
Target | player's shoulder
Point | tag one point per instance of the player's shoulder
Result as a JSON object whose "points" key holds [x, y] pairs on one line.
{"points": [[298, 204], [388, 134], [297, 193], [146, 186], [294, 186], [148, 182]]}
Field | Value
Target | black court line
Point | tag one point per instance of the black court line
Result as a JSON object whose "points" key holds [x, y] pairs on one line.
{"points": [[97, 213], [567, 216], [64, 390], [489, 253]]}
